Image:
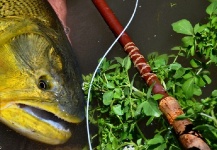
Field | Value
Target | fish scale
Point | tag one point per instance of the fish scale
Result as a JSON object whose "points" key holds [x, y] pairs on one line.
{"points": [[31, 8]]}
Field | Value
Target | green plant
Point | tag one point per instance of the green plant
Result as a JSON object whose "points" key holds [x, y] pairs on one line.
{"points": [[119, 105]]}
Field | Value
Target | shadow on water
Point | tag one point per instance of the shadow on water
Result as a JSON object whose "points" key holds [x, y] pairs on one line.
{"points": [[150, 30]]}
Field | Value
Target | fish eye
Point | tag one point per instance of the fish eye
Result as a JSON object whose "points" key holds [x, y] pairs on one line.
{"points": [[43, 83]]}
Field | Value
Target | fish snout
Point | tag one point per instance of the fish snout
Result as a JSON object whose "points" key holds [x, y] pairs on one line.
{"points": [[71, 102]]}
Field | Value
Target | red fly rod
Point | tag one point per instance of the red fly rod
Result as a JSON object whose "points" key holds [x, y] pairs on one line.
{"points": [[168, 104]]}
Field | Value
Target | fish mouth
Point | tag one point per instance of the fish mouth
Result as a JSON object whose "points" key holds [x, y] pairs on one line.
{"points": [[47, 123], [46, 116]]}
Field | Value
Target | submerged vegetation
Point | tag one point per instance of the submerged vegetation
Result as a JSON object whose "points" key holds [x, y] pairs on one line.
{"points": [[120, 106]]}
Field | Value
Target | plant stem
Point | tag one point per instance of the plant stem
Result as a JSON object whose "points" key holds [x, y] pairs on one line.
{"points": [[175, 59], [214, 117], [210, 117], [105, 77], [140, 132], [198, 72], [205, 115]]}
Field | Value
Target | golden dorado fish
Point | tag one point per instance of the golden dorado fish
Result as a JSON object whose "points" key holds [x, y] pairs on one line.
{"points": [[40, 85]]}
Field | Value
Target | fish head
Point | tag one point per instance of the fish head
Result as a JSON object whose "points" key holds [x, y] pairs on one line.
{"points": [[40, 90]]}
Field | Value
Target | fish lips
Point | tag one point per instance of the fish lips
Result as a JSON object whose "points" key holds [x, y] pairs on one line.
{"points": [[44, 122]]}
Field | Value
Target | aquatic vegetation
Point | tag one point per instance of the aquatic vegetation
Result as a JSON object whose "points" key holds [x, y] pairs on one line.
{"points": [[119, 104]]}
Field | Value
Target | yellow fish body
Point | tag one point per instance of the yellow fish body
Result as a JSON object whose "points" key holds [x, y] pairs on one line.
{"points": [[39, 77]]}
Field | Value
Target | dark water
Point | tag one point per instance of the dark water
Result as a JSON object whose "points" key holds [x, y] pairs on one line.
{"points": [[150, 30]]}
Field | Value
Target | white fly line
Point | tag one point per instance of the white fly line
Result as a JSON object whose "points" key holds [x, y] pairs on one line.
{"points": [[97, 68]]}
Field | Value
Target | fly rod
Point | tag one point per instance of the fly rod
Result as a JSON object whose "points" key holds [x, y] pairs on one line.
{"points": [[189, 138]]}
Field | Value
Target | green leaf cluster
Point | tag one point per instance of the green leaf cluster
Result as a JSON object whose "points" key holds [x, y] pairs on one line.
{"points": [[186, 85], [200, 40], [118, 105]]}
